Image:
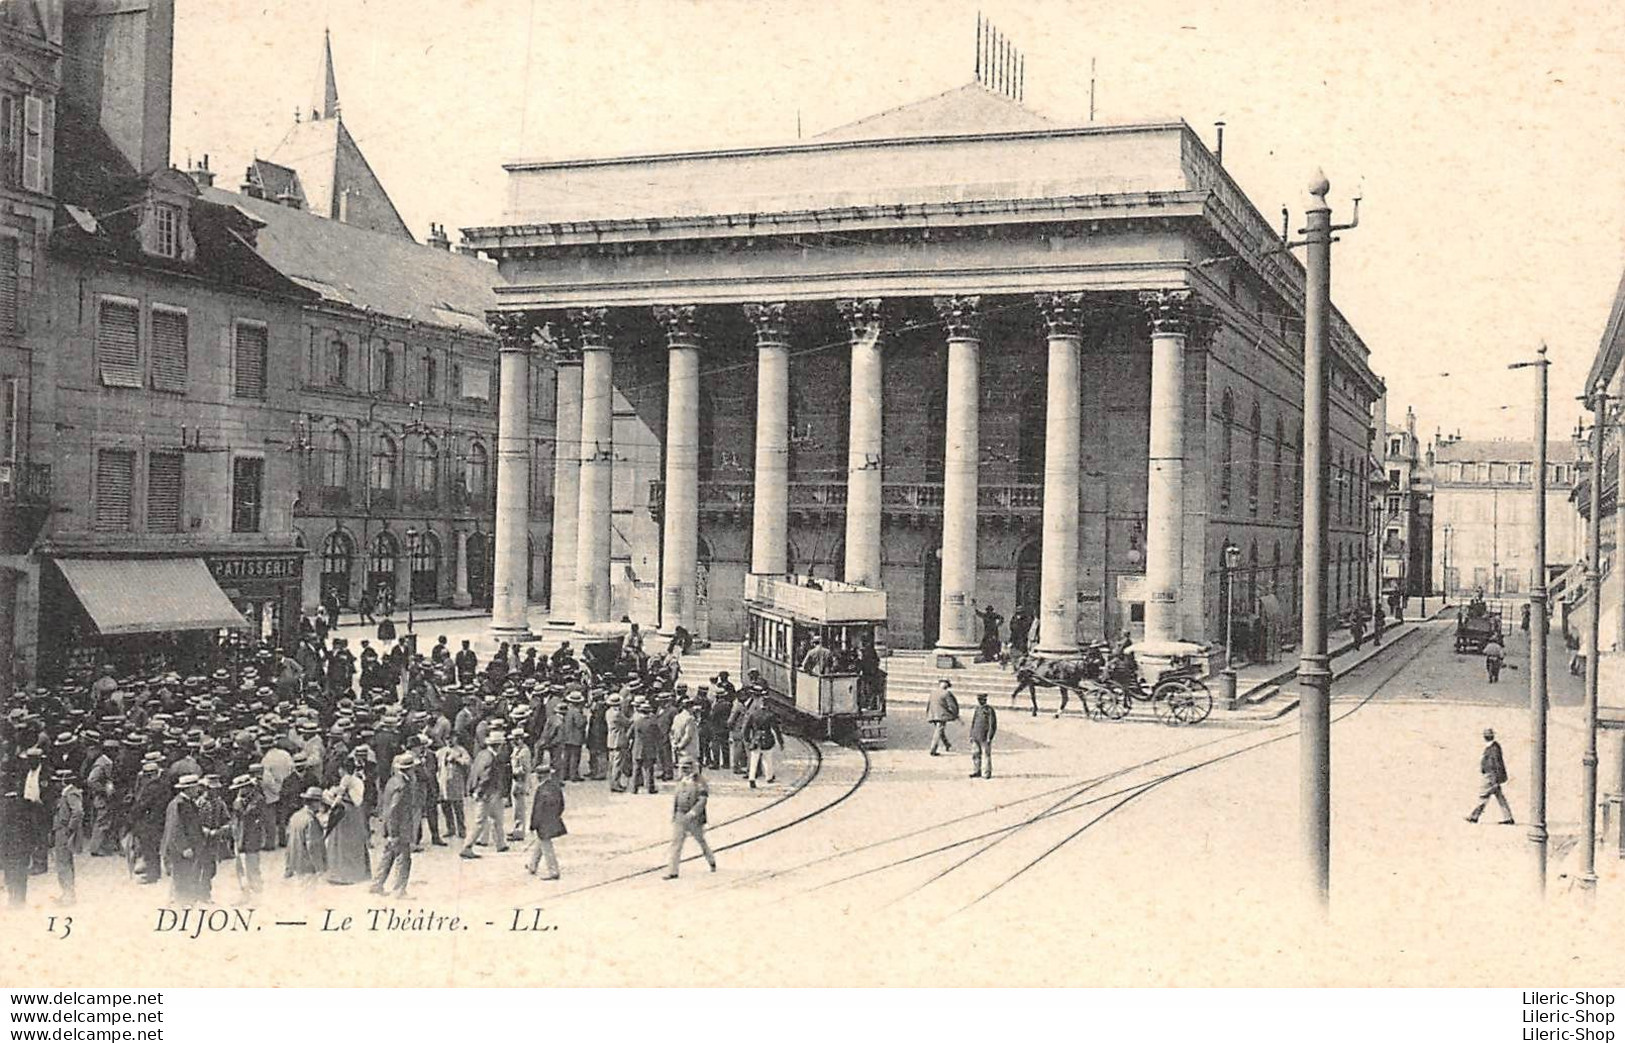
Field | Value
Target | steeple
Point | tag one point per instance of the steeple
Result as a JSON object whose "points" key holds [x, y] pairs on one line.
{"points": [[326, 105]]}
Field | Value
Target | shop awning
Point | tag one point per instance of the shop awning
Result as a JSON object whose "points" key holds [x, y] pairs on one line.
{"points": [[150, 595]]}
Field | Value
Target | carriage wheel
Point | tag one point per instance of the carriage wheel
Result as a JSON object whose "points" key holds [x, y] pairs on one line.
{"points": [[1184, 700], [1110, 701]]}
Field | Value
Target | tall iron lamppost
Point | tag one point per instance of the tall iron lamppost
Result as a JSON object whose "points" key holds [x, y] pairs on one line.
{"points": [[1597, 401], [1538, 613], [1314, 666]]}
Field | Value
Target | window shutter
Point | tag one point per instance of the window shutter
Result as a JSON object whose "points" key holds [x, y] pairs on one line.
{"points": [[165, 472], [115, 475], [118, 344], [169, 330], [33, 139], [250, 369], [8, 285]]}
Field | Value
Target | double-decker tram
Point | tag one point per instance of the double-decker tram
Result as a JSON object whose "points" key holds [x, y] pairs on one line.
{"points": [[813, 643]]}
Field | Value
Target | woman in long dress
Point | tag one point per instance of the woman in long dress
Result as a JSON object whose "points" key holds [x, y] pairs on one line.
{"points": [[347, 859]]}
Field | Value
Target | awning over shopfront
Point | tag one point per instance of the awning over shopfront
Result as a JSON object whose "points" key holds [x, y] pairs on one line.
{"points": [[150, 595]]}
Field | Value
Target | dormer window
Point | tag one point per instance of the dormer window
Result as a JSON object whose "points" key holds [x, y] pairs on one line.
{"points": [[166, 230]]}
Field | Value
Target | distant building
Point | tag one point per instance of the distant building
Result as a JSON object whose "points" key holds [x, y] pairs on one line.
{"points": [[1483, 515], [1405, 513]]}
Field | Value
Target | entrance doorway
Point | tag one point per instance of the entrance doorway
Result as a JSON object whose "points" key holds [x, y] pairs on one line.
{"points": [[1029, 576], [479, 568], [338, 557], [426, 569], [931, 611], [381, 566]]}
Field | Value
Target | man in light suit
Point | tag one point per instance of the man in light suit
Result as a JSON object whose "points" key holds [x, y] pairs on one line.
{"points": [[485, 789], [1494, 771], [398, 812]]}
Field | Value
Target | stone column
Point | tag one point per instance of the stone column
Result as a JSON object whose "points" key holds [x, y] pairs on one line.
{"points": [[593, 517], [770, 528], [460, 597], [957, 633], [1168, 311], [566, 488], [679, 555], [510, 585], [863, 454], [1058, 581]]}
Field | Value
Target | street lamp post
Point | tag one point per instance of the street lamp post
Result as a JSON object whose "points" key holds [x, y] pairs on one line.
{"points": [[1232, 561], [1314, 666], [411, 564], [1588, 761], [1538, 612]]}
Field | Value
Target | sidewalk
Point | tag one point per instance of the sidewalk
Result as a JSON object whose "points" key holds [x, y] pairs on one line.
{"points": [[1254, 678]]}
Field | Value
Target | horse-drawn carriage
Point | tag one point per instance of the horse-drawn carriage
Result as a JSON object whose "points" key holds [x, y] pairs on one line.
{"points": [[1476, 625], [1108, 684]]}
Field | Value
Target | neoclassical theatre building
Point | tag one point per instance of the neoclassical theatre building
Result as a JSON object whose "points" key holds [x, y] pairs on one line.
{"points": [[954, 351]]}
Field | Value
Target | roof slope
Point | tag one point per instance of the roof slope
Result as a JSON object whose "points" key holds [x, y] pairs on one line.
{"points": [[1502, 450], [971, 109], [361, 268]]}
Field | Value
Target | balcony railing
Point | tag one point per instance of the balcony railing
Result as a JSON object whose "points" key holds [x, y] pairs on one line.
{"points": [[899, 499]]}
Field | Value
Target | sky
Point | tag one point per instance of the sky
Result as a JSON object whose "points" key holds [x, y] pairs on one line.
{"points": [[1487, 138]]}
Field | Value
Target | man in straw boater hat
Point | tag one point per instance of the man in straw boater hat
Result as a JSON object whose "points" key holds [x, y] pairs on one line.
{"points": [[307, 842], [184, 846], [398, 813], [67, 823], [485, 788]]}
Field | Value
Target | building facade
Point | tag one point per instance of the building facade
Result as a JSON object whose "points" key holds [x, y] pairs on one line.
{"points": [[1405, 514], [31, 53], [1483, 515], [1607, 374], [954, 351]]}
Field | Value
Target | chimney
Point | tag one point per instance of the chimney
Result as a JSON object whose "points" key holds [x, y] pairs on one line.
{"points": [[1218, 145], [438, 239], [119, 69], [202, 174]]}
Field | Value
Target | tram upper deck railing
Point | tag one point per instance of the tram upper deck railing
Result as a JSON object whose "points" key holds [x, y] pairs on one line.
{"points": [[816, 600]]}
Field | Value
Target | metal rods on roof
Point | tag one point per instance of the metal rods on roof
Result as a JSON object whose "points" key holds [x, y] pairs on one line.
{"points": [[1000, 66]]}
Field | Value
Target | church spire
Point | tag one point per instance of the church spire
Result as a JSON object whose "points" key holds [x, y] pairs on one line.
{"points": [[327, 90]]}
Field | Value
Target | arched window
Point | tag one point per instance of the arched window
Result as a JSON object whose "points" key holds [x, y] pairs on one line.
{"points": [[1255, 425], [338, 363], [383, 370], [381, 562], [425, 567], [1252, 576], [338, 552], [428, 468], [1280, 450], [336, 472], [338, 556], [477, 472], [385, 463], [1227, 445], [1297, 470]]}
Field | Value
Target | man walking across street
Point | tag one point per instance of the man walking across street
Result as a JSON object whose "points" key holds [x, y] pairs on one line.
{"points": [[688, 817], [1494, 655], [1494, 770], [942, 708], [984, 724]]}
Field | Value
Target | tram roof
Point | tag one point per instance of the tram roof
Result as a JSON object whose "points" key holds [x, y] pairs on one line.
{"points": [[815, 600]]}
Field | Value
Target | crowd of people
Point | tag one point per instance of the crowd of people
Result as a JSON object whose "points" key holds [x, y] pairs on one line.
{"points": [[349, 764]]}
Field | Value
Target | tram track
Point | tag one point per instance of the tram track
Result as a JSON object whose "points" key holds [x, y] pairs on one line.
{"points": [[1066, 805], [820, 761]]}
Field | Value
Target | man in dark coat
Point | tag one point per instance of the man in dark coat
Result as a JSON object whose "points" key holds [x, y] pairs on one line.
{"points": [[598, 738], [467, 664], [1493, 769], [546, 822], [151, 800], [185, 847], [984, 724], [16, 845], [646, 743], [252, 830]]}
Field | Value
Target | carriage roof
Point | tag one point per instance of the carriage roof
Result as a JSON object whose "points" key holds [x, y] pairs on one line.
{"points": [[825, 601]]}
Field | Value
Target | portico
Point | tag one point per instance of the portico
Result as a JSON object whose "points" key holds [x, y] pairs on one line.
{"points": [[972, 368]]}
